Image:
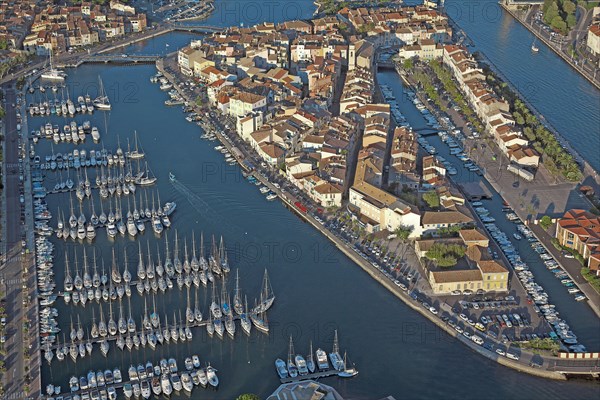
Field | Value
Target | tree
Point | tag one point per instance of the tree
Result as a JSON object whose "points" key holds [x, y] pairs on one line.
{"points": [[445, 255], [569, 7], [403, 232], [559, 24], [571, 21], [248, 396], [432, 199], [408, 64], [546, 222]]}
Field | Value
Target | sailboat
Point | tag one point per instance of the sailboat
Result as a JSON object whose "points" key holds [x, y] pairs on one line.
{"points": [[259, 319], [215, 309], [146, 178], [237, 297], [534, 47], [245, 319], [347, 372], [291, 367], [310, 363], [336, 360], [136, 153], [102, 102], [223, 257], [267, 296], [52, 73]]}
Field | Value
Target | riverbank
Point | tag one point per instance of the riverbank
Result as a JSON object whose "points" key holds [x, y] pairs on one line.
{"points": [[594, 79], [591, 176], [289, 201]]}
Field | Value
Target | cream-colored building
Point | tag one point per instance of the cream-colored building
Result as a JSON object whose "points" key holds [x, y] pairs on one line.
{"points": [[384, 210], [476, 271], [593, 39], [243, 103]]}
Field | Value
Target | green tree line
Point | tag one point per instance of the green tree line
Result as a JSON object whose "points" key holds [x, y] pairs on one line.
{"points": [[560, 14]]}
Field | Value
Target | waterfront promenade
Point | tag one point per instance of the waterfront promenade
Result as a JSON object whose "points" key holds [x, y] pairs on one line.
{"points": [[528, 362]]}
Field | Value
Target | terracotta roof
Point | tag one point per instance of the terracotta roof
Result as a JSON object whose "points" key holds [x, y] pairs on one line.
{"points": [[469, 235], [445, 217], [456, 276], [491, 267]]}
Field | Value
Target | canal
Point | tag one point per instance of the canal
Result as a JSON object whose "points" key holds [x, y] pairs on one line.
{"points": [[568, 101], [578, 314]]}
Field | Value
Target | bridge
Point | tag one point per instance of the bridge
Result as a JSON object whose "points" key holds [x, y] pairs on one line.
{"points": [[196, 28], [112, 58], [517, 3]]}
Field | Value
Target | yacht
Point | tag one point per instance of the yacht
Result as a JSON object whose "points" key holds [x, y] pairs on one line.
{"points": [[176, 381], [186, 382], [281, 370], [212, 377], [322, 362], [165, 385], [146, 391], [301, 365], [128, 390]]}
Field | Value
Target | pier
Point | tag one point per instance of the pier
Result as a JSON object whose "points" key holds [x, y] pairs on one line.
{"points": [[109, 337], [315, 375]]}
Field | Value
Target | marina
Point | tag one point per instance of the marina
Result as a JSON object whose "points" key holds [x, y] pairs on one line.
{"points": [[298, 368], [182, 175]]}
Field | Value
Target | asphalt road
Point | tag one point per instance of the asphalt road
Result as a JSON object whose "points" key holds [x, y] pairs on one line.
{"points": [[11, 270]]}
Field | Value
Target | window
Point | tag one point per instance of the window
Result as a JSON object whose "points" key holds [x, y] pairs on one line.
{"points": [[488, 278]]}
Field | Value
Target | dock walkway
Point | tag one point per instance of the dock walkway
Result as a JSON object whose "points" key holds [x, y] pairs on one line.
{"points": [[315, 375]]}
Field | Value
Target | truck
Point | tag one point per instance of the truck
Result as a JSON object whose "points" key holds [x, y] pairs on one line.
{"points": [[520, 172]]}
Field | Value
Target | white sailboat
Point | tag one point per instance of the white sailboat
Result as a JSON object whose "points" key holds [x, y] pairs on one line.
{"points": [[291, 367], [52, 73], [102, 102], [534, 47], [136, 154]]}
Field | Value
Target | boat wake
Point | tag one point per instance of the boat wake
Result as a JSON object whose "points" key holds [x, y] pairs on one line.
{"points": [[206, 212]]}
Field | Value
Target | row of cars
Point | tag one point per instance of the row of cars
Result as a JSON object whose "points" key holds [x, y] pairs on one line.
{"points": [[468, 334]]}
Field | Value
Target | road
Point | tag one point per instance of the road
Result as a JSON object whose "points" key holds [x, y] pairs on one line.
{"points": [[12, 268]]}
